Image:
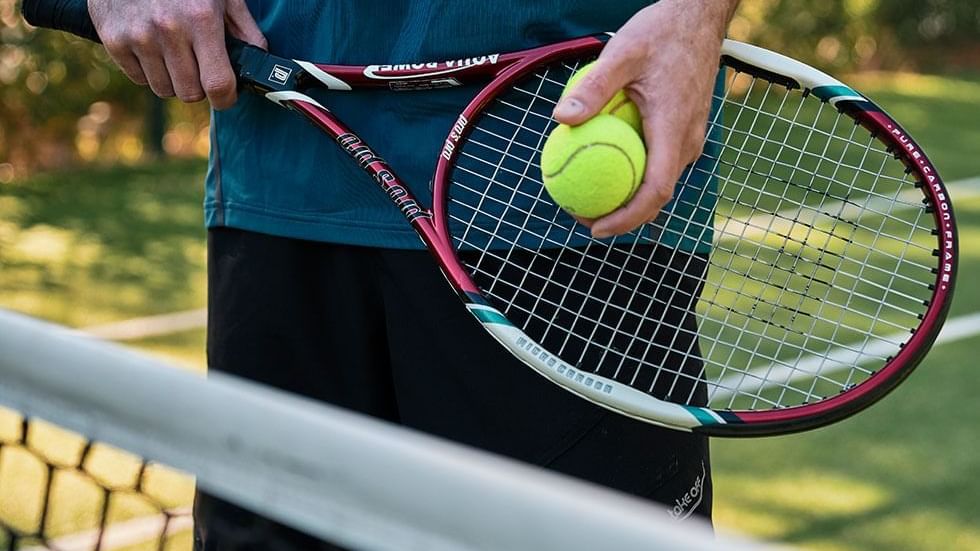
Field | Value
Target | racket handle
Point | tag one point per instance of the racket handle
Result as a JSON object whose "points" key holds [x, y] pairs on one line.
{"points": [[63, 15]]}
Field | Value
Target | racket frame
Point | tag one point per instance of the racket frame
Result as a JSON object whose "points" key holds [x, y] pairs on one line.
{"points": [[283, 81]]}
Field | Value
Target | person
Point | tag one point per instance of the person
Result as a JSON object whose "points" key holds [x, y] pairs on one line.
{"points": [[312, 272]]}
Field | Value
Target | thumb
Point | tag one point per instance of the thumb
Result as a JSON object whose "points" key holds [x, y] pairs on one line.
{"points": [[242, 25], [590, 94]]}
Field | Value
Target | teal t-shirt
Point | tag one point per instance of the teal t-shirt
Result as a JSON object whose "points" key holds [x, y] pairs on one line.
{"points": [[272, 172]]}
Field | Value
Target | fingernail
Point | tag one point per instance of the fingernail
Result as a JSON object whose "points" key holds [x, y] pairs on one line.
{"points": [[569, 108], [600, 233]]}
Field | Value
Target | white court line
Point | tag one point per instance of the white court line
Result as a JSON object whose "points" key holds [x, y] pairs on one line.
{"points": [[759, 378], [845, 357], [152, 326], [785, 221], [122, 534]]}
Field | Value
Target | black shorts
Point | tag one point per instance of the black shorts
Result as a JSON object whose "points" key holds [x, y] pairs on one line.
{"points": [[380, 332]]}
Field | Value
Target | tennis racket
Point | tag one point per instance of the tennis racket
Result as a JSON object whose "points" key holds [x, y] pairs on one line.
{"points": [[807, 278]]}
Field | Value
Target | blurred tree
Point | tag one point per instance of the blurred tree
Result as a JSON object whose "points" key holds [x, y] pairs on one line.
{"points": [[866, 34], [62, 101]]}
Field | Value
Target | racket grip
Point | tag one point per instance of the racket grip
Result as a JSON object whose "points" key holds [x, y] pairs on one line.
{"points": [[62, 15]]}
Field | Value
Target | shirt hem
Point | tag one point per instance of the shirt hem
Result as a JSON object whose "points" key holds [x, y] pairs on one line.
{"points": [[310, 229]]}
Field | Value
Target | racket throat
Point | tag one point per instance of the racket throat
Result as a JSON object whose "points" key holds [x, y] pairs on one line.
{"points": [[379, 169]]}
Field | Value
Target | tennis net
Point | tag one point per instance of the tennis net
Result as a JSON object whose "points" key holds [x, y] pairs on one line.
{"points": [[69, 405]]}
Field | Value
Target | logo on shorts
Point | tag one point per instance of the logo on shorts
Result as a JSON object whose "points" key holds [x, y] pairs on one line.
{"points": [[685, 505], [280, 74]]}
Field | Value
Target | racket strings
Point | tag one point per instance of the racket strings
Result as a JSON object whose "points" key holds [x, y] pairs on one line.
{"points": [[819, 251], [833, 231], [865, 265], [843, 201]]}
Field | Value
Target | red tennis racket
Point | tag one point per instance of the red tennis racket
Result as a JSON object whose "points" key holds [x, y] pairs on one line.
{"points": [[831, 236]]}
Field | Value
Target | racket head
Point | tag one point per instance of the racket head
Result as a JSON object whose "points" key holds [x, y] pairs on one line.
{"points": [[810, 186]]}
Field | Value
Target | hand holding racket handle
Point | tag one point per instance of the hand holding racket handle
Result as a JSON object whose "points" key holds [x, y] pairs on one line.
{"points": [[247, 60], [172, 49]]}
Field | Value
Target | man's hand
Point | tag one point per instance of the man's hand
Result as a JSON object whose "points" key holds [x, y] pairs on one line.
{"points": [[177, 47], [666, 58]]}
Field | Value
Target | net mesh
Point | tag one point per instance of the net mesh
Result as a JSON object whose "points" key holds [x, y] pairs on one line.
{"points": [[61, 491], [818, 246]]}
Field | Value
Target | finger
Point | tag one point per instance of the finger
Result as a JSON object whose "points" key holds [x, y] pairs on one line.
{"points": [[184, 74], [155, 68], [126, 60], [216, 75], [662, 171], [242, 25], [592, 92]]}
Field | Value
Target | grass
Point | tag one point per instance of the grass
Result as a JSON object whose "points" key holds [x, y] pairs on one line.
{"points": [[102, 245], [92, 246]]}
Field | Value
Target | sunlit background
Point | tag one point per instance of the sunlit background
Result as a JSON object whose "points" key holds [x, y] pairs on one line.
{"points": [[101, 222]]}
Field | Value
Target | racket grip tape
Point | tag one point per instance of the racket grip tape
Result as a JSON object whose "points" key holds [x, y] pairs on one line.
{"points": [[62, 15]]}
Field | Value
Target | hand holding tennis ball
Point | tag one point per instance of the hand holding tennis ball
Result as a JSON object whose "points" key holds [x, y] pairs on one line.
{"points": [[594, 168], [620, 106]]}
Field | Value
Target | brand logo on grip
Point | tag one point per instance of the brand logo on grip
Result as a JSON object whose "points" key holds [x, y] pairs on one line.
{"points": [[365, 157], [280, 74], [455, 135], [943, 208]]}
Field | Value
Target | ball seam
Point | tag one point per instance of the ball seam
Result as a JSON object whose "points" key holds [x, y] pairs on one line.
{"points": [[629, 160]]}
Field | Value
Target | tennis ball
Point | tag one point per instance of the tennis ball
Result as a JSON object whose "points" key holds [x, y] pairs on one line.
{"points": [[620, 106], [594, 168]]}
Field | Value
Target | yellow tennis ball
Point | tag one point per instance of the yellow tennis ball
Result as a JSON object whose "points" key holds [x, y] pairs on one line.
{"points": [[620, 106], [594, 168]]}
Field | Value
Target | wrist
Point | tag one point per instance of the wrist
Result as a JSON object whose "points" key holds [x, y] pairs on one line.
{"points": [[715, 14]]}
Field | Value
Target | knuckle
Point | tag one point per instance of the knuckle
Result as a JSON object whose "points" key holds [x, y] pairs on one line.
{"points": [[166, 24], [660, 196], [219, 86], [140, 39], [635, 54], [202, 16], [596, 81]]}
